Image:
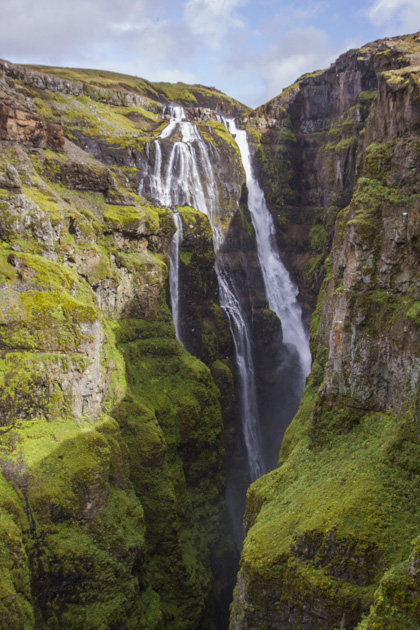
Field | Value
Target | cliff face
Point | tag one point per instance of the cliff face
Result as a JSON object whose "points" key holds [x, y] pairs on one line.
{"points": [[111, 450], [111, 435], [331, 530], [309, 145]]}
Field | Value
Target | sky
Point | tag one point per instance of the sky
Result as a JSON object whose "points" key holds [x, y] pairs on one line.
{"points": [[250, 49]]}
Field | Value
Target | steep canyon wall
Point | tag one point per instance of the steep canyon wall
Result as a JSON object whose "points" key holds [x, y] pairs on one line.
{"points": [[116, 443], [112, 454], [330, 532]]}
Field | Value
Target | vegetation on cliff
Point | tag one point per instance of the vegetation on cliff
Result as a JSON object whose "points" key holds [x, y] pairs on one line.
{"points": [[111, 436], [332, 532]]}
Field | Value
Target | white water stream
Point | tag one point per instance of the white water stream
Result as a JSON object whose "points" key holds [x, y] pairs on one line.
{"points": [[186, 177], [173, 252], [280, 292], [176, 183]]}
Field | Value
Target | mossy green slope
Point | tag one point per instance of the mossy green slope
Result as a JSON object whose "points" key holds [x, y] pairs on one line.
{"points": [[155, 92], [111, 437], [330, 532]]}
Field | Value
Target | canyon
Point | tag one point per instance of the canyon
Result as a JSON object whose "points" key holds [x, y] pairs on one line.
{"points": [[159, 393]]}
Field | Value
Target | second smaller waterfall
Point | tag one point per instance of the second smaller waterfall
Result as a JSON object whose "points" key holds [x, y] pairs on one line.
{"points": [[280, 291], [185, 175], [173, 252]]}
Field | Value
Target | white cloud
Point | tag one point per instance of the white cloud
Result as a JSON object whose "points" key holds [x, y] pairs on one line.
{"points": [[406, 13], [213, 19], [289, 16], [76, 27], [159, 41], [280, 64], [299, 51]]}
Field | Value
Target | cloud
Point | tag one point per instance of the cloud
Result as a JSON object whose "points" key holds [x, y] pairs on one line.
{"points": [[279, 64], [70, 28], [406, 13], [213, 19], [159, 41], [299, 51], [289, 16]]}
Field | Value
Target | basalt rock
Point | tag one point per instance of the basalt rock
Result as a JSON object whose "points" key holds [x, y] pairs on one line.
{"points": [[109, 430], [329, 532], [27, 128]]}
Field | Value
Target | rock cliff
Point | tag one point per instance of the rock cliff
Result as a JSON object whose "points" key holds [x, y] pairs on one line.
{"points": [[111, 436], [330, 532], [116, 441]]}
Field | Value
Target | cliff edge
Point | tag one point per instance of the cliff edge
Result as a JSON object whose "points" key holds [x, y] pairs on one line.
{"points": [[332, 532]]}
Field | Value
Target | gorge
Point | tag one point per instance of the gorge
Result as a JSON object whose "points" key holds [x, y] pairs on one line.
{"points": [[154, 350]]}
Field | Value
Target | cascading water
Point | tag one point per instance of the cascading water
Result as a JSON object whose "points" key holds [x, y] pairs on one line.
{"points": [[179, 183], [280, 292], [173, 252]]}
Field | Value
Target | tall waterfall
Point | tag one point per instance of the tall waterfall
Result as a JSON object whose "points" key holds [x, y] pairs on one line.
{"points": [[187, 178], [280, 292], [173, 252]]}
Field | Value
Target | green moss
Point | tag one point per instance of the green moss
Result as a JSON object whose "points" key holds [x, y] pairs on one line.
{"points": [[220, 131], [344, 144], [318, 236], [180, 92], [396, 604], [186, 257], [173, 406], [48, 320], [16, 609], [189, 214], [279, 177], [366, 206], [398, 79], [368, 96], [378, 159], [254, 134], [414, 312], [43, 108], [296, 86], [132, 219], [313, 269]]}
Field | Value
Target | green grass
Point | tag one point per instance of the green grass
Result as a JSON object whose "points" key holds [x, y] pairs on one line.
{"points": [[189, 95]]}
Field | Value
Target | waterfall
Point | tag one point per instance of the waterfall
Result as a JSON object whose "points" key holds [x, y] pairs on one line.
{"points": [[179, 183], [173, 252], [280, 292]]}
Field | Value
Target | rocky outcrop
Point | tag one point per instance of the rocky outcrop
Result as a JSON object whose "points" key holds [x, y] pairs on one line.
{"points": [[109, 430], [329, 531], [121, 90], [309, 147], [25, 127]]}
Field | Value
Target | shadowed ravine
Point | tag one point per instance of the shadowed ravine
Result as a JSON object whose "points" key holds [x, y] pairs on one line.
{"points": [[160, 268], [187, 177]]}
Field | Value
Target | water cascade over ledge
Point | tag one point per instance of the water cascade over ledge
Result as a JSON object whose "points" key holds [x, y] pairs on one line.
{"points": [[280, 291], [187, 178], [173, 253]]}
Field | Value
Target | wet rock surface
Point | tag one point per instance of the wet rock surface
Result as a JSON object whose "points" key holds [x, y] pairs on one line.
{"points": [[329, 532]]}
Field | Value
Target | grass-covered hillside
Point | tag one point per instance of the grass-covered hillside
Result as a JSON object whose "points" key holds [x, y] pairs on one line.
{"points": [[156, 92], [332, 533], [111, 438]]}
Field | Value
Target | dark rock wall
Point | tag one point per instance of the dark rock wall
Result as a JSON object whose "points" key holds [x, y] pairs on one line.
{"points": [[331, 530], [111, 436]]}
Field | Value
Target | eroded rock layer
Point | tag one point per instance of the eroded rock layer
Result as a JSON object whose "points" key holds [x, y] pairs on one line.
{"points": [[330, 532], [111, 436]]}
